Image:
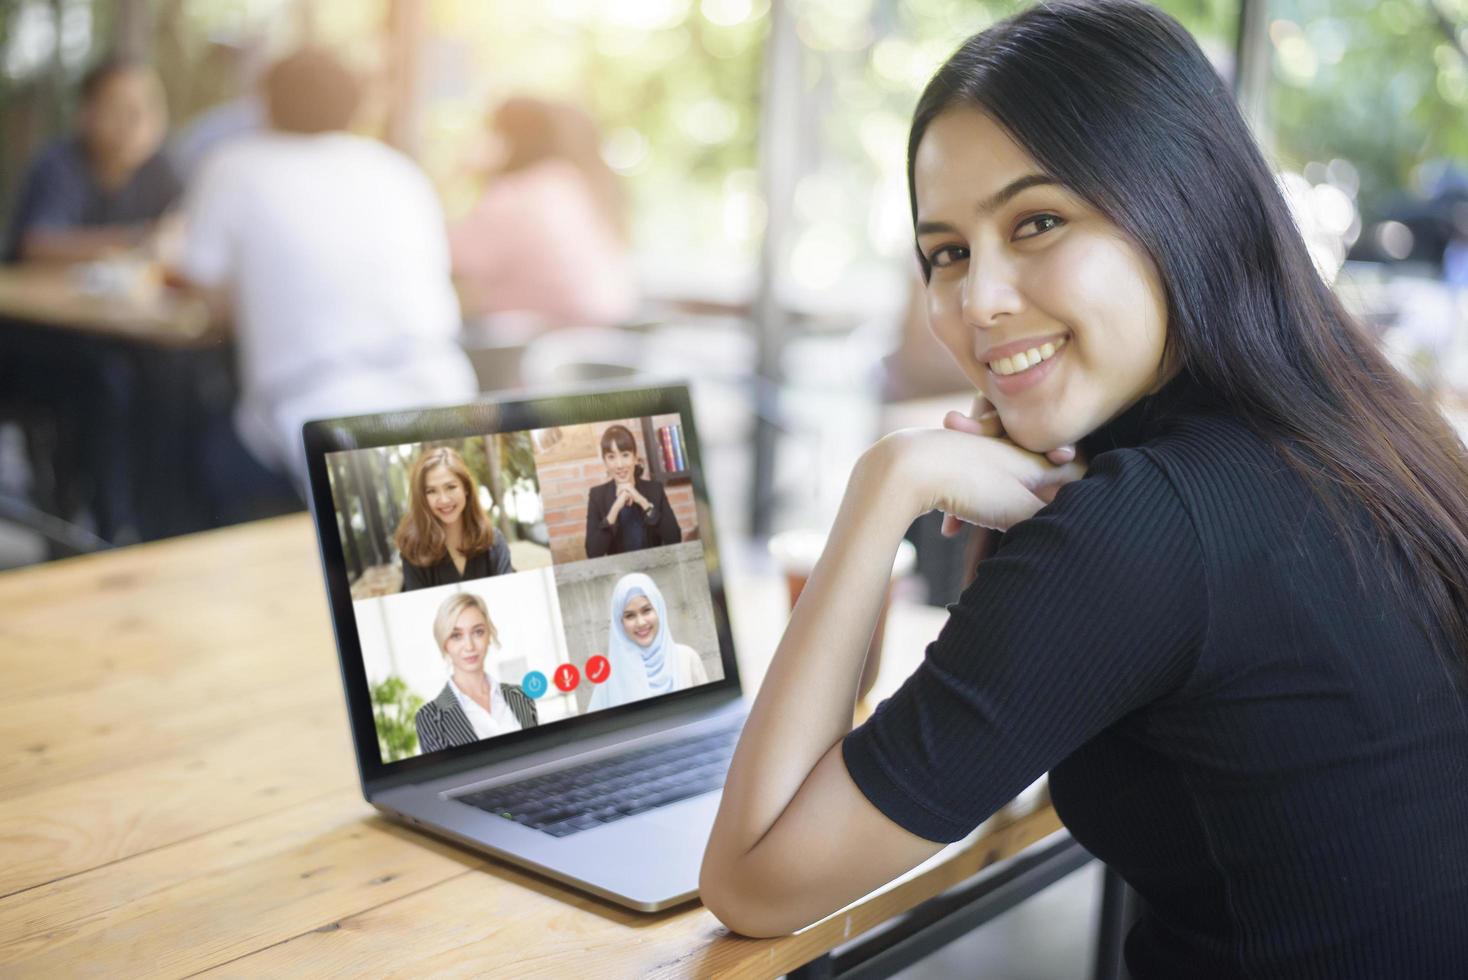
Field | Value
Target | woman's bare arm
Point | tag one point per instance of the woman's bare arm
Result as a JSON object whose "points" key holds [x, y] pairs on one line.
{"points": [[795, 839]]}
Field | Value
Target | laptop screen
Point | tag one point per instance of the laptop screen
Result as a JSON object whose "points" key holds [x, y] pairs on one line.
{"points": [[504, 580]]}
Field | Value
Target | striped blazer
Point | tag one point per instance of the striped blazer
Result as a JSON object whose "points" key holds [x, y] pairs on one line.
{"points": [[442, 724]]}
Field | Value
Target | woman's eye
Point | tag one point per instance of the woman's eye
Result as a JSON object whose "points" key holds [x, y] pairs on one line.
{"points": [[1041, 223], [947, 255]]}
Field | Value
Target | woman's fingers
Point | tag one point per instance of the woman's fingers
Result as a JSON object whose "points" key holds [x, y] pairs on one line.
{"points": [[982, 420], [1059, 477], [959, 422], [984, 424], [1062, 455]]}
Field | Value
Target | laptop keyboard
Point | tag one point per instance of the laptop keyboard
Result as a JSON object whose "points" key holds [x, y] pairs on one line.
{"points": [[567, 801]]}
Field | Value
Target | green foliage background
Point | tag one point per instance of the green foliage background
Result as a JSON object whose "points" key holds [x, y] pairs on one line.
{"points": [[393, 709]]}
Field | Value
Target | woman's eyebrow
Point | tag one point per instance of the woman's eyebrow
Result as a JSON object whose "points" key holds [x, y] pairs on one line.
{"points": [[992, 203]]}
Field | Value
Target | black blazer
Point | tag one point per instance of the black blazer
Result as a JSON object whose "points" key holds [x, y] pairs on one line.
{"points": [[442, 724], [495, 561], [603, 538]]}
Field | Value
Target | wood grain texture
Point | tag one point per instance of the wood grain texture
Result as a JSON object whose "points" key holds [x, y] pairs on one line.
{"points": [[179, 795]]}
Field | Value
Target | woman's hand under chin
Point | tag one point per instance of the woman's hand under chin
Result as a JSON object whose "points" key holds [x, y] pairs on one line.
{"points": [[983, 420], [971, 471]]}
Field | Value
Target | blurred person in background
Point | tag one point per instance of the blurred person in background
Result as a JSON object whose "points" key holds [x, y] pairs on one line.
{"points": [[233, 65], [100, 190], [548, 237], [330, 250]]}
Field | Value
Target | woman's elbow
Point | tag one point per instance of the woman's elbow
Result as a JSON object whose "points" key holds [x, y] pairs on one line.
{"points": [[741, 909]]}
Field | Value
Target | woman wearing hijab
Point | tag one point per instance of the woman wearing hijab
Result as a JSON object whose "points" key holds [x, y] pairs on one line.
{"points": [[474, 704], [645, 659]]}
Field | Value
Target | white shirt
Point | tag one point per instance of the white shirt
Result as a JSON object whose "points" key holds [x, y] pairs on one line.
{"points": [[335, 249], [499, 720]]}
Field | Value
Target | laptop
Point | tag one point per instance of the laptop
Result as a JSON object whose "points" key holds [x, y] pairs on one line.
{"points": [[560, 689]]}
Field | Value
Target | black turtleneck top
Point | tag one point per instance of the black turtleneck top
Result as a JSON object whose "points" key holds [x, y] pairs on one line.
{"points": [[1259, 739]]}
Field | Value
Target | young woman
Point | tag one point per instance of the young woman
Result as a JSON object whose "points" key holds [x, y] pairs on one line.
{"points": [[445, 537], [1239, 644], [645, 658], [627, 513], [474, 704]]}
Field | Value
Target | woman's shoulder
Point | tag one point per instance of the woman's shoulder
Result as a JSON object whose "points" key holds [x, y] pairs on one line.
{"points": [[1214, 458], [433, 710], [691, 664], [1204, 485], [1125, 509]]}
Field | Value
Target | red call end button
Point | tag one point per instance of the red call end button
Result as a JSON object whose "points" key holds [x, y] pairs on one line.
{"points": [[567, 677], [598, 668]]}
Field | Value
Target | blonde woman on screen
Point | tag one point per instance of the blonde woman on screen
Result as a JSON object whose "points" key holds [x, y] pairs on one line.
{"points": [[474, 704]]}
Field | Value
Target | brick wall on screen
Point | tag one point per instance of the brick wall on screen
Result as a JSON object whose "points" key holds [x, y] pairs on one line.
{"points": [[569, 469]]}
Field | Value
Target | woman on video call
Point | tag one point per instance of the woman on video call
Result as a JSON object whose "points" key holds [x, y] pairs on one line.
{"points": [[645, 658], [1229, 612], [445, 537], [474, 704], [627, 513]]}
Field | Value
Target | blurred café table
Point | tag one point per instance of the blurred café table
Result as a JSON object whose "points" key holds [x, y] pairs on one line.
{"points": [[108, 373], [181, 796], [142, 311]]}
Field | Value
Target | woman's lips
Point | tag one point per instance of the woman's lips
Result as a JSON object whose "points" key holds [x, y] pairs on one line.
{"points": [[1014, 384]]}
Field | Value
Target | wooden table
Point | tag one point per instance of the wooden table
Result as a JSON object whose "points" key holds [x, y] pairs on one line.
{"points": [[50, 296], [178, 794]]}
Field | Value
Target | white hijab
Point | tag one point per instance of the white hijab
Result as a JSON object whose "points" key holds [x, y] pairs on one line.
{"points": [[637, 672]]}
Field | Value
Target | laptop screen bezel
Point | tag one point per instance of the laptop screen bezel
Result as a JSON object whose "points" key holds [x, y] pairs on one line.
{"points": [[489, 415]]}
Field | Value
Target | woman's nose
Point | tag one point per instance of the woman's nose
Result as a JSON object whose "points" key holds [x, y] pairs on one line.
{"points": [[989, 293]]}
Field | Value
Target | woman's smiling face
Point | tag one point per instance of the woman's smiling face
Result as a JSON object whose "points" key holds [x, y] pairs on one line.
{"points": [[1054, 314], [444, 494], [621, 464], [640, 620]]}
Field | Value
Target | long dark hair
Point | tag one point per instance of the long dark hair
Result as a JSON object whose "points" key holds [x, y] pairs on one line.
{"points": [[1114, 99]]}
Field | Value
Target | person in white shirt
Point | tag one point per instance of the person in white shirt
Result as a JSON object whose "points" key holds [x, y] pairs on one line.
{"points": [[474, 704], [331, 251]]}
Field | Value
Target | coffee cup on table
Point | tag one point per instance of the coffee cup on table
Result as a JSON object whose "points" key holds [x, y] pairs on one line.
{"points": [[796, 553]]}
